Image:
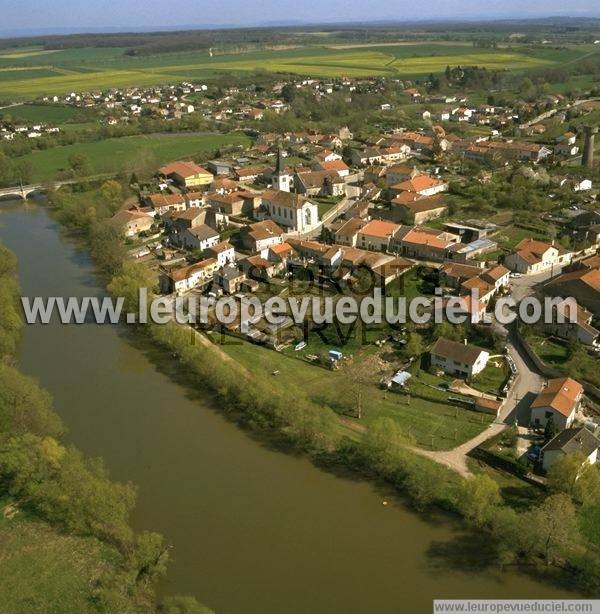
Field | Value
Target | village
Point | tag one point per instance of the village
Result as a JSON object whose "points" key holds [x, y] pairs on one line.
{"points": [[308, 214]]}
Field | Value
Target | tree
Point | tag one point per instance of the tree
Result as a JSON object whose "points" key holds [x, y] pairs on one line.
{"points": [[573, 475], [288, 92], [111, 192], [414, 345], [360, 375], [549, 429], [478, 496], [384, 445], [425, 482], [108, 249], [551, 530], [79, 164]]}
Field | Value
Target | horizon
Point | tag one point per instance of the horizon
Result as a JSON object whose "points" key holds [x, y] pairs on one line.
{"points": [[48, 19]]}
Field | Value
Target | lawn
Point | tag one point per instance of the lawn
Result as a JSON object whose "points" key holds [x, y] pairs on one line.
{"points": [[492, 378], [96, 68], [551, 352], [126, 153], [433, 423], [46, 571]]}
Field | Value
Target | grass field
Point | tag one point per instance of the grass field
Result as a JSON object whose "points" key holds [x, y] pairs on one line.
{"points": [[34, 71], [52, 114], [112, 155], [41, 566], [433, 423]]}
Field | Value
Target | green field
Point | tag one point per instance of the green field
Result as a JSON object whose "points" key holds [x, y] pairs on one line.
{"points": [[27, 73], [42, 566], [52, 114], [432, 422], [113, 155]]}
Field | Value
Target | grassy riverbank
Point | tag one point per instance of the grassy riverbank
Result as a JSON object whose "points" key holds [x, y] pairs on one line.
{"points": [[65, 540], [555, 534]]}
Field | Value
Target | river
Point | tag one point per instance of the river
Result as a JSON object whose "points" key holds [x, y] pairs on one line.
{"points": [[253, 530]]}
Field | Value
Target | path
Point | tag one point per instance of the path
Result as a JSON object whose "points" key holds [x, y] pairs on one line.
{"points": [[456, 458]]}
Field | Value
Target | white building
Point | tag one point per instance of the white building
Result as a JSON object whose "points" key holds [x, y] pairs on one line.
{"points": [[571, 441], [458, 359], [291, 211]]}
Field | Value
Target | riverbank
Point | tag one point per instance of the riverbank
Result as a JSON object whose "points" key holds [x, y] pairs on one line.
{"points": [[382, 450], [250, 527], [64, 526]]}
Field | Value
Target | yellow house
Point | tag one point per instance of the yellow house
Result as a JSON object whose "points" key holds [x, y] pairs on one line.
{"points": [[187, 173]]}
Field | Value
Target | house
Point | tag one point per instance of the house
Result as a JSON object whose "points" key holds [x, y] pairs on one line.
{"points": [[423, 243], [262, 235], [319, 183], [580, 329], [420, 210], [228, 279], [186, 173], [571, 441], [223, 253], [338, 166], [198, 237], [484, 290], [249, 174], [280, 253], [162, 203], [219, 167], [499, 276], [467, 307], [459, 359], [178, 221], [388, 271], [289, 210], [347, 233], [234, 203], [532, 256], [377, 235], [131, 223], [424, 185], [399, 173], [258, 268], [560, 399], [582, 284], [455, 273], [185, 278], [328, 156]]}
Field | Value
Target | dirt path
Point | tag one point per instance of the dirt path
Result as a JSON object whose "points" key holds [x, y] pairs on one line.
{"points": [[456, 458], [206, 342]]}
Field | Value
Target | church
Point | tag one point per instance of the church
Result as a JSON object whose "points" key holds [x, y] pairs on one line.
{"points": [[291, 211]]}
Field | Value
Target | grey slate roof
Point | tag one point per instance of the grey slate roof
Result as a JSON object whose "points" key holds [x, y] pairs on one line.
{"points": [[573, 440]]}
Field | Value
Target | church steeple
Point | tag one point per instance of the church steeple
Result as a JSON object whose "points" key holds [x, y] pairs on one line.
{"points": [[279, 168], [281, 179]]}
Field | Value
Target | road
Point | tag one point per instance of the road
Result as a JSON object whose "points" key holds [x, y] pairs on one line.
{"points": [[528, 382]]}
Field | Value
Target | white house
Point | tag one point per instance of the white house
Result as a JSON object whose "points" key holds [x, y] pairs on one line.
{"points": [[223, 253], [185, 278], [560, 399], [458, 359], [532, 256], [571, 441], [198, 237]]}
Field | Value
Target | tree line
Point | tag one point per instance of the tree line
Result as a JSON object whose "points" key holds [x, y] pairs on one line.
{"points": [[54, 482]]}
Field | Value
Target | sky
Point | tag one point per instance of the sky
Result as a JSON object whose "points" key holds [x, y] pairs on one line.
{"points": [[82, 15]]}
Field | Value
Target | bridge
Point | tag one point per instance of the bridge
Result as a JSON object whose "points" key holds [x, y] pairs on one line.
{"points": [[20, 191], [23, 191]]}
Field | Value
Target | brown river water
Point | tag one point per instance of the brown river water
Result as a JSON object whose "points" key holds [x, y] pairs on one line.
{"points": [[253, 530]]}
